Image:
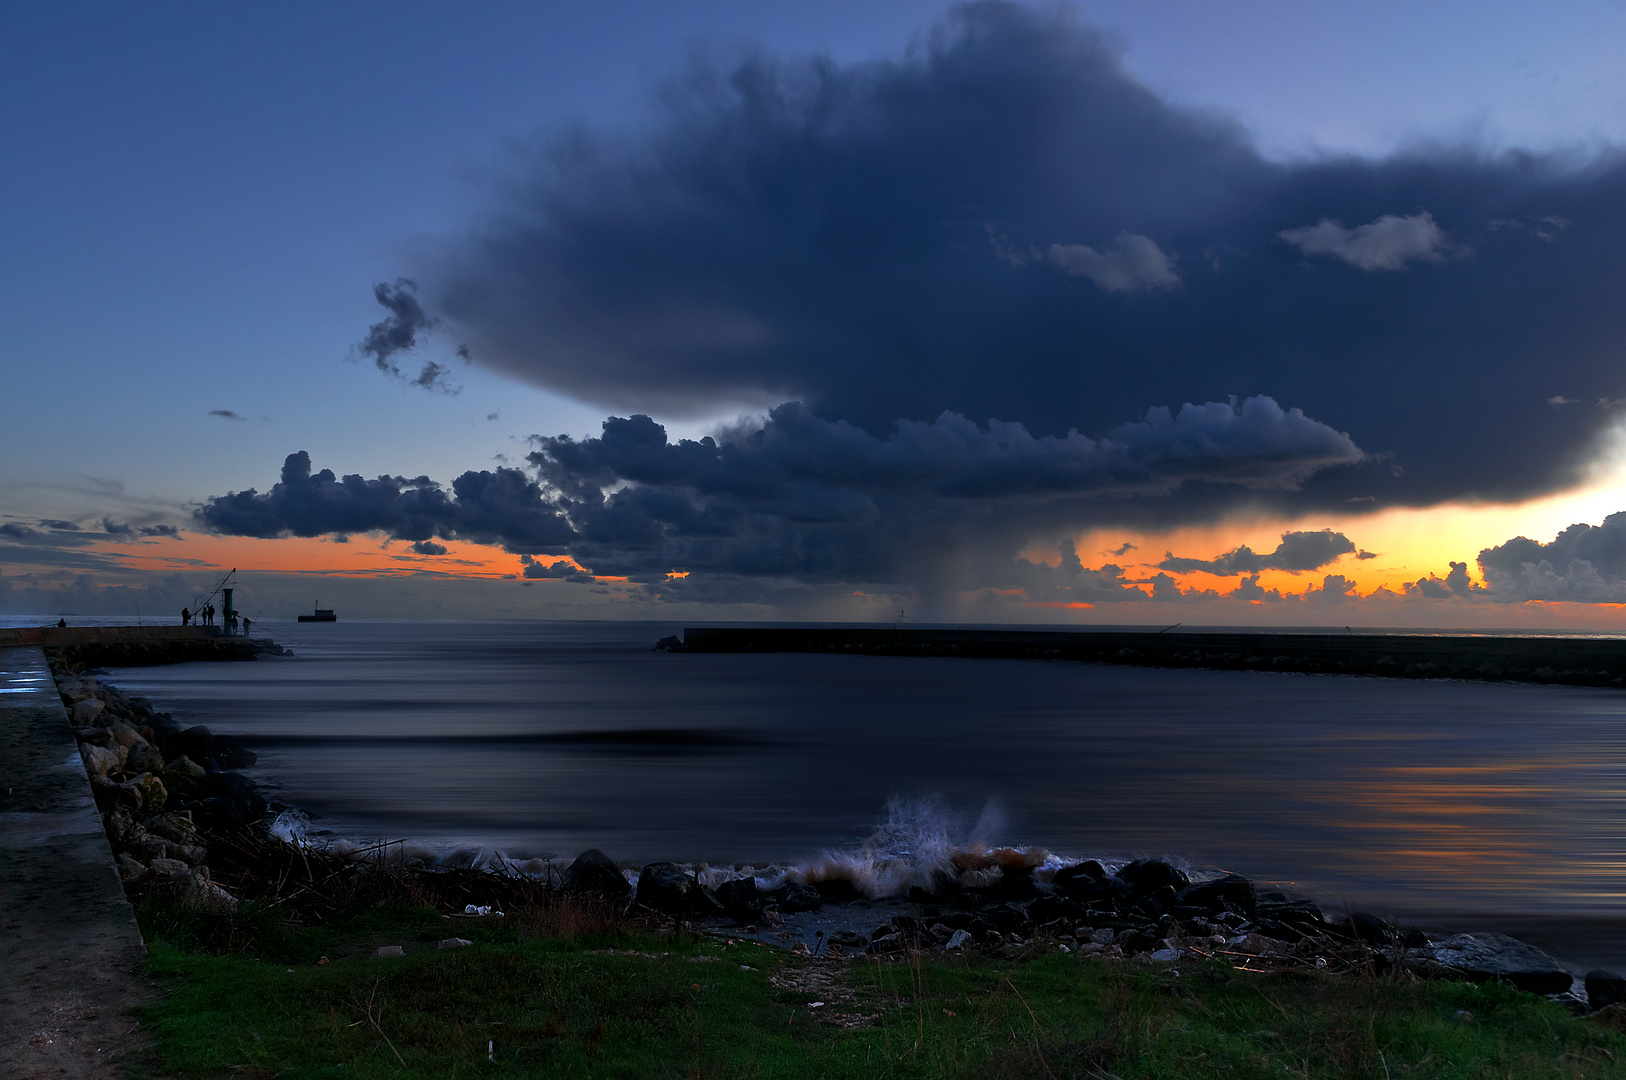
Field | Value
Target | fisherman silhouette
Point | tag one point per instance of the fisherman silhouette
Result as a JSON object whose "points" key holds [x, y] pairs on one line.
{"points": [[186, 617]]}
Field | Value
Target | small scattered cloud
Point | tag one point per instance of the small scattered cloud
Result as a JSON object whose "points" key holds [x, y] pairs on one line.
{"points": [[115, 528], [428, 547], [1122, 549], [160, 530], [1388, 243], [226, 414], [1133, 264], [1298, 552], [58, 524], [1558, 401], [1364, 555], [406, 326]]}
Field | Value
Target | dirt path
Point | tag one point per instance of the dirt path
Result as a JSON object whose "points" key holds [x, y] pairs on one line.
{"points": [[68, 939]]}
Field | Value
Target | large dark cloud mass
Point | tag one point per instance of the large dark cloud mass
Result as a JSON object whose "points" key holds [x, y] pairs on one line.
{"points": [[1005, 223], [800, 497], [1298, 551]]}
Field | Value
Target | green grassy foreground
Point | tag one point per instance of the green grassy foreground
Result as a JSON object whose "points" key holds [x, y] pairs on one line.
{"points": [[540, 995]]}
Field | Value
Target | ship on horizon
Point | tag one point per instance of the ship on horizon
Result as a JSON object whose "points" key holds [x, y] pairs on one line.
{"points": [[320, 614]]}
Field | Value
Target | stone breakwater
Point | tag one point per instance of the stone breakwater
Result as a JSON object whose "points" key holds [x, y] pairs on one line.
{"points": [[1017, 902], [162, 790], [1565, 661]]}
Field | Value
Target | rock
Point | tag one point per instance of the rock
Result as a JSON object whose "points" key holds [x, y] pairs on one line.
{"points": [[595, 874], [847, 939], [147, 847], [791, 897], [1368, 928], [958, 940], [1229, 893], [175, 826], [389, 950], [196, 742], [663, 887], [1102, 936], [129, 868], [670, 644], [172, 868], [126, 736], [144, 758], [1088, 882], [95, 736], [451, 943], [1166, 955], [99, 761], [147, 792], [191, 854], [741, 899], [1146, 876], [232, 756], [1482, 957], [1610, 1016], [86, 711], [1605, 988], [184, 777], [1300, 913], [1252, 944]]}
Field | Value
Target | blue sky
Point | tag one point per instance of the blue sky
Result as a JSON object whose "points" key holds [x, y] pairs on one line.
{"points": [[200, 198]]}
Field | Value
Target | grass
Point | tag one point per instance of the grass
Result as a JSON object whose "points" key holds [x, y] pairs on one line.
{"points": [[550, 993]]}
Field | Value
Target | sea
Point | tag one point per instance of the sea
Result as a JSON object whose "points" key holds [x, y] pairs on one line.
{"points": [[1450, 804]]}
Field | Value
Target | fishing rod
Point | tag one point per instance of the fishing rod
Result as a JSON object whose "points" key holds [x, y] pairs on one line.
{"points": [[211, 596]]}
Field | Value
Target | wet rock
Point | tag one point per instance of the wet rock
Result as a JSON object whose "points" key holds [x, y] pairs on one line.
{"points": [[126, 736], [1146, 876], [232, 756], [144, 758], [595, 874], [837, 891], [1290, 912], [665, 888], [1605, 988], [149, 793], [1368, 928], [95, 736], [741, 899], [1483, 957], [887, 943], [670, 644], [185, 777], [195, 742], [169, 868], [86, 711], [99, 761], [791, 897], [175, 826], [1088, 883], [129, 868], [847, 939], [1158, 903], [1229, 893]]}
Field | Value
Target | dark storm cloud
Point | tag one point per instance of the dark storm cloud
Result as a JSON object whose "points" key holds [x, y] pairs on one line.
{"points": [[1005, 223], [428, 547], [800, 498], [1298, 551], [1584, 562], [503, 507]]}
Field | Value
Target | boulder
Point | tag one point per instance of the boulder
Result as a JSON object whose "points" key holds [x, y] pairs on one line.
{"points": [[99, 761], [958, 940], [1368, 928], [144, 758], [190, 854], [1605, 988], [741, 899], [184, 777], [126, 736], [169, 868], [86, 711], [129, 868], [389, 950], [1146, 876], [451, 943], [663, 887], [1483, 957], [95, 736], [147, 793], [847, 939], [791, 897], [594, 874], [1229, 893], [196, 742], [1089, 883], [175, 826]]}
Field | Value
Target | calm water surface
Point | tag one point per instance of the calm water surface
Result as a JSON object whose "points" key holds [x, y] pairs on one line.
{"points": [[1458, 800]]}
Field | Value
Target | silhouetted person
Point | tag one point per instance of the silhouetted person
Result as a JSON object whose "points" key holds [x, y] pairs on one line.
{"points": [[209, 615], [186, 617], [62, 624], [247, 623]]}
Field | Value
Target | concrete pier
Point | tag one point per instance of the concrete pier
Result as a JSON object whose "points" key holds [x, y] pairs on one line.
{"points": [[1570, 661], [68, 938]]}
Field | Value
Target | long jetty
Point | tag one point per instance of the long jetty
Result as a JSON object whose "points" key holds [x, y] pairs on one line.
{"points": [[1571, 661]]}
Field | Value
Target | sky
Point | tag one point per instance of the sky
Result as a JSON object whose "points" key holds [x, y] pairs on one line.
{"points": [[1105, 312]]}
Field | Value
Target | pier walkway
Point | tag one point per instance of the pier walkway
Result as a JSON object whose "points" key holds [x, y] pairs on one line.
{"points": [[68, 938]]}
